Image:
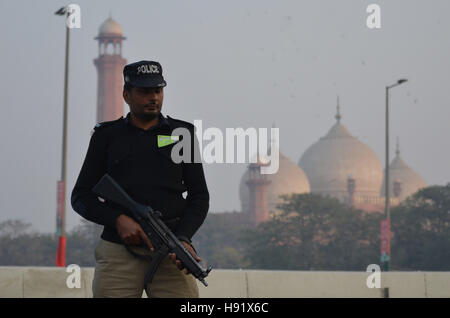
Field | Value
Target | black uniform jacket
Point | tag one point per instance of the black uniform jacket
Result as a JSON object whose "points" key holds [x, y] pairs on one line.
{"points": [[132, 157]]}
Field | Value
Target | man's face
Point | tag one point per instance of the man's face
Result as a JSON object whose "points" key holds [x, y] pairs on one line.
{"points": [[144, 102]]}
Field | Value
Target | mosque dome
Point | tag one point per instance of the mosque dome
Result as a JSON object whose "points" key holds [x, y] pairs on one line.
{"points": [[289, 179], [110, 28], [403, 181], [338, 156]]}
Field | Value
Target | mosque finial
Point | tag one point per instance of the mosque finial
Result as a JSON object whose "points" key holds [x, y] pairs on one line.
{"points": [[397, 151], [338, 113], [270, 142]]}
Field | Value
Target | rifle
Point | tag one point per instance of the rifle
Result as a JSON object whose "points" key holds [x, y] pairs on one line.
{"points": [[162, 238]]}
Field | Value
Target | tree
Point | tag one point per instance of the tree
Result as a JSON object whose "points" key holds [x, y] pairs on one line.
{"points": [[21, 246], [13, 228], [313, 232], [219, 242], [81, 243], [421, 231]]}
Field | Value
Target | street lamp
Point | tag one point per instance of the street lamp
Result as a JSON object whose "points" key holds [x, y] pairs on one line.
{"points": [[385, 258], [61, 215]]}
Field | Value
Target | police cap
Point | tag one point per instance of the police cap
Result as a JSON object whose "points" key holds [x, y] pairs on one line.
{"points": [[144, 74]]}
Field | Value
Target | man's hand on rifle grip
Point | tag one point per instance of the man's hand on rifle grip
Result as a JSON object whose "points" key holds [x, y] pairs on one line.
{"points": [[131, 232]]}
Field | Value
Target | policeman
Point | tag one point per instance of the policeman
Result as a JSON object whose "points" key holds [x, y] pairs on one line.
{"points": [[136, 152]]}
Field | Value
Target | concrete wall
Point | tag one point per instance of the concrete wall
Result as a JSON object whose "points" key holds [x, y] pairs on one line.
{"points": [[51, 282]]}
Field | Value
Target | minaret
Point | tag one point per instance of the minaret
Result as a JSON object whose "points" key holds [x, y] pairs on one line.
{"points": [[258, 188], [110, 66]]}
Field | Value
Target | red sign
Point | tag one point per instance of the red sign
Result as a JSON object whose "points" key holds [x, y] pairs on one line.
{"points": [[385, 246], [60, 260], [61, 252]]}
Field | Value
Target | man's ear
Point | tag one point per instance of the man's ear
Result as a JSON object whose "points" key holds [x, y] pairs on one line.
{"points": [[126, 96]]}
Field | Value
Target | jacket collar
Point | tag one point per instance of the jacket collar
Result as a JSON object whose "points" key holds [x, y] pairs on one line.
{"points": [[162, 123]]}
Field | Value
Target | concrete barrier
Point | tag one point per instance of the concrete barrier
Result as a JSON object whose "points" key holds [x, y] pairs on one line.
{"points": [[43, 282]]}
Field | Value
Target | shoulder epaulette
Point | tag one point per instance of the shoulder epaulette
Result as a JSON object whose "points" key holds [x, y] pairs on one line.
{"points": [[106, 124], [179, 121]]}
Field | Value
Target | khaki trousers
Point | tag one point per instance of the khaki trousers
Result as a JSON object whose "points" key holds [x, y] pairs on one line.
{"points": [[118, 273]]}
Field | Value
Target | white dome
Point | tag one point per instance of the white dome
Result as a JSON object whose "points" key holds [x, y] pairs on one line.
{"points": [[110, 27], [329, 163], [289, 179], [410, 181]]}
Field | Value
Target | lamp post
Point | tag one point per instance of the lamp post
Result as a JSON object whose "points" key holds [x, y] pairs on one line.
{"points": [[385, 257], [61, 215]]}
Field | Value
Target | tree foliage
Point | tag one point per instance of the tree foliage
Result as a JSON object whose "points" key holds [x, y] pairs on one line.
{"points": [[21, 246], [311, 232], [314, 233], [218, 240], [421, 231]]}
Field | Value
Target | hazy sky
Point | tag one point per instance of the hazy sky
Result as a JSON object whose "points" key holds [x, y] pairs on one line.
{"points": [[231, 64]]}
